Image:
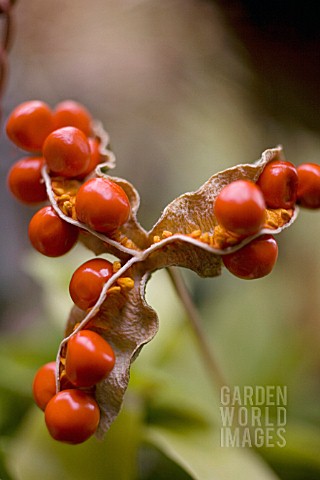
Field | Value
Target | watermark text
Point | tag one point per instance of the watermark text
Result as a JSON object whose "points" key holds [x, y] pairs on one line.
{"points": [[253, 416]]}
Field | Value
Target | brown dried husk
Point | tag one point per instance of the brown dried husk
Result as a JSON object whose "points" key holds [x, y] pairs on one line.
{"points": [[121, 315]]}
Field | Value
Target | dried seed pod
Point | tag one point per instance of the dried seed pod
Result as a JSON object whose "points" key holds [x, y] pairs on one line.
{"points": [[188, 235]]}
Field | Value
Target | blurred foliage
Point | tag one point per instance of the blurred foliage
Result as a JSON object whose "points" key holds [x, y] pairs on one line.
{"points": [[181, 95]]}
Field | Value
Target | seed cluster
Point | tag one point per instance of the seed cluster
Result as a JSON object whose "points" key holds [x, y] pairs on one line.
{"points": [[245, 208], [65, 191], [221, 238], [64, 147], [63, 141]]}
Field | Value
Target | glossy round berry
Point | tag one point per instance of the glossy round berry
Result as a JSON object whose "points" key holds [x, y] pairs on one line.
{"points": [[254, 260], [67, 152], [51, 235], [309, 185], [29, 125], [102, 205], [240, 207], [25, 180], [94, 157], [44, 384], [87, 282], [279, 184], [72, 416], [72, 114], [89, 359]]}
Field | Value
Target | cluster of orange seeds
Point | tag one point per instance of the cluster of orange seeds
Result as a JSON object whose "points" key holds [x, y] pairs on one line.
{"points": [[244, 208], [68, 153], [72, 414], [64, 191], [222, 238], [65, 145]]}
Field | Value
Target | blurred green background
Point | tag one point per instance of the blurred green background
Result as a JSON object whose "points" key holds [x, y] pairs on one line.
{"points": [[185, 88]]}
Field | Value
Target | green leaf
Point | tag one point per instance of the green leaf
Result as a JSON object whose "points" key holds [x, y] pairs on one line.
{"points": [[301, 450], [199, 453]]}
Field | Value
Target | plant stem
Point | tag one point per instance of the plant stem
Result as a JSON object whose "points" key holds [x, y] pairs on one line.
{"points": [[207, 355]]}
